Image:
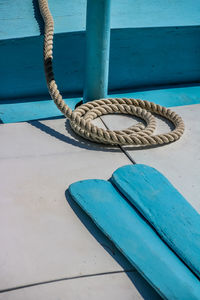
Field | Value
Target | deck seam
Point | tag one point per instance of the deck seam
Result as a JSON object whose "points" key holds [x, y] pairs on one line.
{"points": [[121, 147], [64, 279]]}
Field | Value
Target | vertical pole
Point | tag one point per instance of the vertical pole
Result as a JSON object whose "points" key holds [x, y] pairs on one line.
{"points": [[97, 49]]}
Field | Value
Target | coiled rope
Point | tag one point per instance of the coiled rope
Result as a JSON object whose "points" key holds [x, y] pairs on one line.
{"points": [[81, 118]]}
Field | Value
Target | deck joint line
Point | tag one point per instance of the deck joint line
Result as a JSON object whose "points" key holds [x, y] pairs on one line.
{"points": [[64, 279], [121, 147]]}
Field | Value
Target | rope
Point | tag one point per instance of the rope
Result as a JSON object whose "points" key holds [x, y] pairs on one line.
{"points": [[81, 118]]}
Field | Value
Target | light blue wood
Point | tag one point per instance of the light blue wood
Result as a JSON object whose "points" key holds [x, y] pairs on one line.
{"points": [[139, 47], [17, 111], [97, 49], [168, 96], [136, 239], [27, 110], [139, 58], [152, 43], [176, 221], [18, 18]]}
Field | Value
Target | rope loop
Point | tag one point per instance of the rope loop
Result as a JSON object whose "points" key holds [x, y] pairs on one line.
{"points": [[81, 118]]}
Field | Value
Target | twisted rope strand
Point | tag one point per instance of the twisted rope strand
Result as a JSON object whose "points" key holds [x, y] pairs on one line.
{"points": [[81, 118]]}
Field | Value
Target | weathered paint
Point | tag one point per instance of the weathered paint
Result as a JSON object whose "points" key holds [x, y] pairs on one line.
{"points": [[19, 18], [136, 239], [141, 57], [97, 49], [26, 110], [167, 96], [152, 43], [175, 220]]}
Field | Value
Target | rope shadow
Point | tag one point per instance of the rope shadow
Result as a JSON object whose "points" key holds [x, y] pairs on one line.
{"points": [[38, 16], [136, 148], [82, 143], [75, 139]]}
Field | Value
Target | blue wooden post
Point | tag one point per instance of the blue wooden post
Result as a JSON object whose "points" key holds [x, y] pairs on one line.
{"points": [[97, 49]]}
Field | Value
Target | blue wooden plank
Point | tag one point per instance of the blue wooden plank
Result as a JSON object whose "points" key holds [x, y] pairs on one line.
{"points": [[139, 58], [146, 57], [176, 221], [18, 111], [19, 18], [167, 96], [136, 239], [25, 73], [21, 111]]}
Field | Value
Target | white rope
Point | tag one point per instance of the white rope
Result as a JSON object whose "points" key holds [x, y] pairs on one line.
{"points": [[81, 118]]}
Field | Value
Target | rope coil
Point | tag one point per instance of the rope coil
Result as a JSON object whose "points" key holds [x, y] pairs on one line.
{"points": [[81, 118]]}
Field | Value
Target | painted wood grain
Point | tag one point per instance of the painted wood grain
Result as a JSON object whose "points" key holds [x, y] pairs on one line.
{"points": [[175, 220], [28, 109], [20, 18], [138, 58], [152, 43], [135, 239]]}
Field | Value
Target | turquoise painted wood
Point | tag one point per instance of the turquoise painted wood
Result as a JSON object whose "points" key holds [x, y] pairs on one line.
{"points": [[27, 110], [175, 220], [18, 19], [134, 54], [168, 96], [97, 49], [120, 222], [18, 111], [139, 58], [159, 38]]}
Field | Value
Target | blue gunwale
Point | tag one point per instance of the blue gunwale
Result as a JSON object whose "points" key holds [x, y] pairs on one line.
{"points": [[26, 110]]}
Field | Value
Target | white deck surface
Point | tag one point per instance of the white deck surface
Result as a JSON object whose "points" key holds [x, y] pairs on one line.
{"points": [[44, 235], [110, 286]]}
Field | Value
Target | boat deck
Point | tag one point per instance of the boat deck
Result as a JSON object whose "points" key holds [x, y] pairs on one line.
{"points": [[50, 248]]}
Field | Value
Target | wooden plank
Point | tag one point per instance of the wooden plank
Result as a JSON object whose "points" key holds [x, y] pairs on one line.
{"points": [[176, 221], [135, 239], [180, 161], [170, 55], [24, 110], [20, 18], [164, 44], [146, 57], [20, 111], [167, 96]]}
